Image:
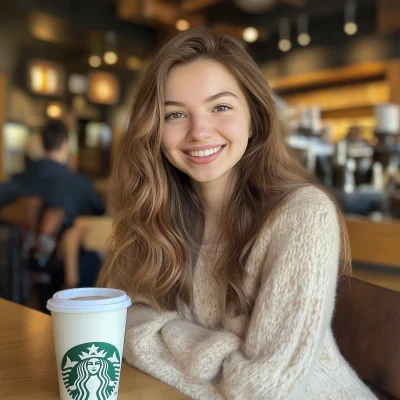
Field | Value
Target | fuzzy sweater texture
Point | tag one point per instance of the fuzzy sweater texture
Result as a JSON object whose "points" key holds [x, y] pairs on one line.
{"points": [[285, 349]]}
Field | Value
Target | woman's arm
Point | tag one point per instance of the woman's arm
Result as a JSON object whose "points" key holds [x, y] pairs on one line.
{"points": [[145, 349], [292, 312]]}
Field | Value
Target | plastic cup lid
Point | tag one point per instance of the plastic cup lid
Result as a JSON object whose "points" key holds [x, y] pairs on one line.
{"points": [[65, 301]]}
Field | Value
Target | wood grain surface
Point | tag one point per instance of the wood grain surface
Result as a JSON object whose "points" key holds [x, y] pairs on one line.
{"points": [[375, 242]]}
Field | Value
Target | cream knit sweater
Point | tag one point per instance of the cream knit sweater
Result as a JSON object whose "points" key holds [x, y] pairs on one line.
{"points": [[286, 349]]}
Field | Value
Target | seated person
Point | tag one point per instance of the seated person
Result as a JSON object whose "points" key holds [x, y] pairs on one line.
{"points": [[52, 180], [230, 252], [59, 187]]}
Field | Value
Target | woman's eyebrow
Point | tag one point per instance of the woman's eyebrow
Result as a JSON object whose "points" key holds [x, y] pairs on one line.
{"points": [[207, 100], [218, 95]]}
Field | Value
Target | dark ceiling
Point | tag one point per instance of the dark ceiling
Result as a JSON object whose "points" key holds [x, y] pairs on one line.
{"points": [[80, 24]]}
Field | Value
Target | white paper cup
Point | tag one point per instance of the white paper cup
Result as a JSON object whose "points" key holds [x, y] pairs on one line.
{"points": [[88, 328]]}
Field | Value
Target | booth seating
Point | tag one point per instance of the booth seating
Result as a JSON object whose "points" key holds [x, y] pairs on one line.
{"points": [[366, 323]]}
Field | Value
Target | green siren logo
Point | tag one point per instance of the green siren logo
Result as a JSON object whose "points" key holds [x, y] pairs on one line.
{"points": [[91, 371]]}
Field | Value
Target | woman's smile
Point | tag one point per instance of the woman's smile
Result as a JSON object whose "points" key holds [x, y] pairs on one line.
{"points": [[205, 154]]}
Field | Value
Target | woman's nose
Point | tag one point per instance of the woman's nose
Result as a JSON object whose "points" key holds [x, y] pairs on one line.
{"points": [[200, 129]]}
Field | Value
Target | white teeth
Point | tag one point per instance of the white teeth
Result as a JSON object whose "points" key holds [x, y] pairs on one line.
{"points": [[205, 153]]}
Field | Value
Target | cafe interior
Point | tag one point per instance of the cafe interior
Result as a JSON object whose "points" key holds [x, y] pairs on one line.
{"points": [[334, 68]]}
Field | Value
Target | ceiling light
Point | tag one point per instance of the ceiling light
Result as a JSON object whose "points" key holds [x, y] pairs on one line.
{"points": [[110, 57], [303, 37], [55, 110], [182, 25], [94, 61], [250, 34], [350, 26], [284, 43], [45, 77], [110, 54]]}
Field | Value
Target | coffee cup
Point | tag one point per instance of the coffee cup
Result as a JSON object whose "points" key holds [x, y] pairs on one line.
{"points": [[88, 329]]}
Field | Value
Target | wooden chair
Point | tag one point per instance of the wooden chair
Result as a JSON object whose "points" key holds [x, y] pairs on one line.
{"points": [[96, 233], [22, 216], [366, 325], [24, 212]]}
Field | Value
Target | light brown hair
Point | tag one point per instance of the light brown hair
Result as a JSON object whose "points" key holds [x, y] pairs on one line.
{"points": [[159, 220]]}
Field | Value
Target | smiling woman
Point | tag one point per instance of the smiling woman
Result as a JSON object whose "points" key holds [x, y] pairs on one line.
{"points": [[211, 113], [228, 249]]}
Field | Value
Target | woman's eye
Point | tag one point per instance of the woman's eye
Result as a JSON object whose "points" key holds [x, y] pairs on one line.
{"points": [[175, 115], [222, 107]]}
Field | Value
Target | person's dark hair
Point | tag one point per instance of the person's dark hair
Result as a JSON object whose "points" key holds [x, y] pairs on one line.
{"points": [[54, 134]]}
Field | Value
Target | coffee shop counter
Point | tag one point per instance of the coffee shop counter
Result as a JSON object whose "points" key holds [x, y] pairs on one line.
{"points": [[375, 250], [28, 365]]}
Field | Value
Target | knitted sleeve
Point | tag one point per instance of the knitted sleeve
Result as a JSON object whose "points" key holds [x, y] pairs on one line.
{"points": [[177, 364], [293, 309]]}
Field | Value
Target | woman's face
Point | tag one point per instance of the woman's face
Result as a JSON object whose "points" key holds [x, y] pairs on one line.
{"points": [[207, 120], [94, 366]]}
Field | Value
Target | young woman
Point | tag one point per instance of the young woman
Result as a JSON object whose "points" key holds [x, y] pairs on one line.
{"points": [[228, 250]]}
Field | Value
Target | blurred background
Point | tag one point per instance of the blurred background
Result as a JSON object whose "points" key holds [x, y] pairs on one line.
{"points": [[334, 66]]}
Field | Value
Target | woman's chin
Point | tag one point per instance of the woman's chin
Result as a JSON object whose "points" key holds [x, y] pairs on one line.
{"points": [[204, 178]]}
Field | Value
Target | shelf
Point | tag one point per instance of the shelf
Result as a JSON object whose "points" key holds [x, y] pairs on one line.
{"points": [[357, 95], [330, 77]]}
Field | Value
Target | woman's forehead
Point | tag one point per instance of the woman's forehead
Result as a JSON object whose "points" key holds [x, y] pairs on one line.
{"points": [[198, 80]]}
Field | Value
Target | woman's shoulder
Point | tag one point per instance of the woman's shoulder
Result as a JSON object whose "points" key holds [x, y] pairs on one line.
{"points": [[308, 212], [310, 198], [304, 206]]}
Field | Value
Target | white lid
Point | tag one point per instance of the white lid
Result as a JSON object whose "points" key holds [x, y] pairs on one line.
{"points": [[64, 301]]}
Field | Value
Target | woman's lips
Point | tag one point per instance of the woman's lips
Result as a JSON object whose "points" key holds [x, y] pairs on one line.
{"points": [[205, 159]]}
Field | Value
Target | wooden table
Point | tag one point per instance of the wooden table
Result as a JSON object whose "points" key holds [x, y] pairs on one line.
{"points": [[28, 364]]}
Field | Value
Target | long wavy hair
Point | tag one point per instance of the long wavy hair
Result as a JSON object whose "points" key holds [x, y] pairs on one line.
{"points": [[84, 376], [159, 221]]}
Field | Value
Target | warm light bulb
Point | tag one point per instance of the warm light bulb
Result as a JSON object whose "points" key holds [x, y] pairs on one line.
{"points": [[350, 28], [94, 61], [284, 45], [304, 39], [182, 25], [54, 111], [110, 57], [250, 34]]}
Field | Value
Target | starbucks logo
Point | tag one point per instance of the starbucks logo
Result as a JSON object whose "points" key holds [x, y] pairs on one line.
{"points": [[91, 371]]}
